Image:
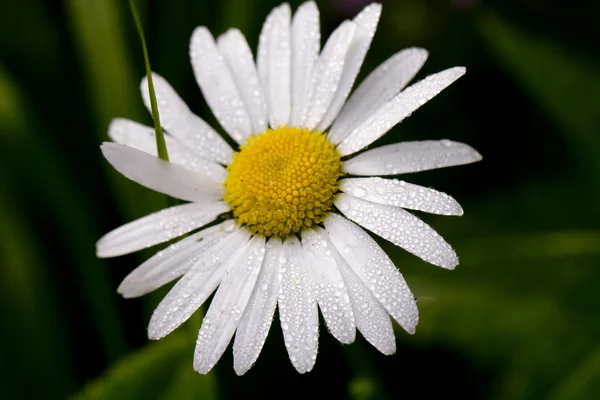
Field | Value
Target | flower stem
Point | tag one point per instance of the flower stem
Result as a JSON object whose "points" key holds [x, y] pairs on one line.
{"points": [[161, 146]]}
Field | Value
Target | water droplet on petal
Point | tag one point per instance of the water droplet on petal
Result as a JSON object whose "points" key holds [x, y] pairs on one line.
{"points": [[358, 192]]}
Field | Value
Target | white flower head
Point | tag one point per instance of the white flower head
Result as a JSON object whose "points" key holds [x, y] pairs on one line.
{"points": [[292, 193]]}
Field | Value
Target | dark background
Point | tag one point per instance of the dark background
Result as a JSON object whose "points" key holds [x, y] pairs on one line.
{"points": [[518, 319]]}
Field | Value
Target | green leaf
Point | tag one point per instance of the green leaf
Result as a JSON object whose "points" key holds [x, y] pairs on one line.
{"points": [[189, 385], [162, 368], [518, 335]]}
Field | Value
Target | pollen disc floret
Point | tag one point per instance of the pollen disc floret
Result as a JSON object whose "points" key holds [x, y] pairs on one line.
{"points": [[282, 180]]}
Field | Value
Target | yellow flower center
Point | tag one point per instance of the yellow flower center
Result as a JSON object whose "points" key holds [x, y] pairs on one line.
{"points": [[283, 180]]}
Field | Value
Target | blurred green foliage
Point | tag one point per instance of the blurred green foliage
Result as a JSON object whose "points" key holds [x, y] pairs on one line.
{"points": [[518, 319], [156, 371]]}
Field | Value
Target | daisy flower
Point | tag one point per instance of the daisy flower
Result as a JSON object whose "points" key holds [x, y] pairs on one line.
{"points": [[281, 218]]}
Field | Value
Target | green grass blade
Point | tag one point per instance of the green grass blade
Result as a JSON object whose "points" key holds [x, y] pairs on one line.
{"points": [[161, 146], [111, 88]]}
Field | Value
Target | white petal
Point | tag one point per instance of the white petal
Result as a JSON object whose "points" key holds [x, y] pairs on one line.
{"points": [[258, 315], [372, 319], [157, 228], [328, 72], [196, 285], [141, 137], [399, 227], [298, 310], [306, 41], [228, 305], [366, 25], [188, 128], [161, 176], [395, 110], [172, 262], [393, 192], [374, 268], [274, 64], [330, 291], [378, 88], [217, 85], [238, 56], [406, 157]]}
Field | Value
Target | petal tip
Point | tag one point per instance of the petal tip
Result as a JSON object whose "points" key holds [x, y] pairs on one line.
{"points": [[158, 327], [200, 366], [109, 148], [199, 30], [373, 7], [122, 290], [199, 33], [144, 81], [240, 369], [455, 208], [101, 252], [202, 370], [115, 127], [460, 71], [285, 7], [155, 332], [308, 6], [419, 52], [230, 34], [282, 8], [127, 290], [411, 330], [372, 12], [110, 151], [450, 261], [348, 339], [303, 369]]}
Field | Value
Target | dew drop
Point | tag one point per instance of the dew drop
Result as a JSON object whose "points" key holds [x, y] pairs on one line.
{"points": [[344, 207], [358, 192]]}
